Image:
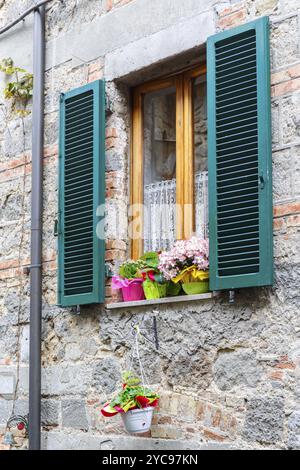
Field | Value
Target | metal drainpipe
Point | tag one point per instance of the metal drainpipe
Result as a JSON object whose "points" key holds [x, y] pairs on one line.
{"points": [[36, 230], [36, 217]]}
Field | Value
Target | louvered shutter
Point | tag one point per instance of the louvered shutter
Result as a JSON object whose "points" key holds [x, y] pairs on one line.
{"points": [[239, 157], [81, 264]]}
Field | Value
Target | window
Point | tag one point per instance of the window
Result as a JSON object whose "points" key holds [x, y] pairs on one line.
{"points": [[169, 160], [169, 168]]}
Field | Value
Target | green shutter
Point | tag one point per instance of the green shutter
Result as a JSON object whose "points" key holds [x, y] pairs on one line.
{"points": [[81, 254], [239, 157]]}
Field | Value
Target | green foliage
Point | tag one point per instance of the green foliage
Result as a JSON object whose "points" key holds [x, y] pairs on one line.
{"points": [[131, 269], [129, 378], [20, 87], [132, 389], [151, 262], [151, 259]]}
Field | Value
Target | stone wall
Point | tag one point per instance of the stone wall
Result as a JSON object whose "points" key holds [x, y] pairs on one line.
{"points": [[228, 374]]}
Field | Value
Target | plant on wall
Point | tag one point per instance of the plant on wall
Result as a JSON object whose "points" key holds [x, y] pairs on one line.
{"points": [[19, 87]]}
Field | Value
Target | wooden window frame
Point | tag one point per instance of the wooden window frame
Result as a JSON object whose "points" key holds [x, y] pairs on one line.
{"points": [[183, 84]]}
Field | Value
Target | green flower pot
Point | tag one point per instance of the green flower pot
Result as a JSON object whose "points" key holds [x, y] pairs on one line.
{"points": [[173, 289], [154, 290], [194, 288]]}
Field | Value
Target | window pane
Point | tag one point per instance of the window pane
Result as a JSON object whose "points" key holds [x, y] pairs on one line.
{"points": [[200, 155], [159, 169]]}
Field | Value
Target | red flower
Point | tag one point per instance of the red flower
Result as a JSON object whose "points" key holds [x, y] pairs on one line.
{"points": [[155, 402], [21, 426], [142, 401]]}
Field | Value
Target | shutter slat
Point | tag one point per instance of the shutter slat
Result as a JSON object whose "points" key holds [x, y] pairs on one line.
{"points": [[82, 190]]}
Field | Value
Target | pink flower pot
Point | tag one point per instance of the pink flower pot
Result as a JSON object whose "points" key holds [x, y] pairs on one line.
{"points": [[134, 291]]}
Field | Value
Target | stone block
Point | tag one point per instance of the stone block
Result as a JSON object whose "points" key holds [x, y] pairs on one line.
{"points": [[65, 379], [106, 375], [163, 44], [49, 412], [74, 414], [86, 441], [282, 176], [24, 344], [264, 420], [290, 119], [142, 19], [7, 384], [284, 42], [294, 431]]}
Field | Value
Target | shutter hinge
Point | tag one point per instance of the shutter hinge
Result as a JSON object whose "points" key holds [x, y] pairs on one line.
{"points": [[56, 228], [261, 181]]}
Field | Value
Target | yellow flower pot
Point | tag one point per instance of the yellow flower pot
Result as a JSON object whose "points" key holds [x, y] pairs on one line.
{"points": [[194, 288]]}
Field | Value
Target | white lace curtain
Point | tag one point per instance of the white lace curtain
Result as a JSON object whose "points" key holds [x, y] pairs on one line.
{"points": [[160, 219]]}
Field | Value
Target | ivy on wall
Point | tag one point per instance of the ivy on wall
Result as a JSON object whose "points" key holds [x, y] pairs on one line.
{"points": [[19, 88]]}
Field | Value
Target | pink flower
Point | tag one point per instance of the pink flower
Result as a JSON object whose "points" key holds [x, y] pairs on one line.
{"points": [[184, 253]]}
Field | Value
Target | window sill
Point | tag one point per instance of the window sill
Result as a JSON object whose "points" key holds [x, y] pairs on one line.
{"points": [[164, 300]]}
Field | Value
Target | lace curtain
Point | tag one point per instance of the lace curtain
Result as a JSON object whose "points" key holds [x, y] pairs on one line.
{"points": [[160, 219]]}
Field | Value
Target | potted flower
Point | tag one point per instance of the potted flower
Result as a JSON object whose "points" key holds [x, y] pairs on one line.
{"points": [[135, 403], [187, 263], [154, 285], [130, 281]]}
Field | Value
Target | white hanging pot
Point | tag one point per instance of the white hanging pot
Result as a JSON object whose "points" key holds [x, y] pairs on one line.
{"points": [[136, 421]]}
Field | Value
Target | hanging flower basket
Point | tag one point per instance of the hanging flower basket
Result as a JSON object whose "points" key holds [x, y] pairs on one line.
{"points": [[135, 403], [138, 421]]}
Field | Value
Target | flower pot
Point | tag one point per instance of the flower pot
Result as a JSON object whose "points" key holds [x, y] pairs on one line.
{"points": [[173, 289], [154, 290], [133, 291], [137, 421], [193, 288]]}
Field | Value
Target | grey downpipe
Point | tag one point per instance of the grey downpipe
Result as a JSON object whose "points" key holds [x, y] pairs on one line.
{"points": [[36, 229], [36, 217], [29, 10]]}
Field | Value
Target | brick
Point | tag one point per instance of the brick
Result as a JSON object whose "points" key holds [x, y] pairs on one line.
{"points": [[212, 435], [286, 87], [109, 5], [276, 375], [113, 193], [110, 142], [230, 9], [115, 245], [286, 209], [278, 224], [216, 419], [111, 132], [233, 19], [112, 181], [285, 365], [293, 221], [166, 432], [279, 77], [200, 411], [294, 71], [97, 75], [285, 75], [164, 420], [95, 66], [114, 255]]}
